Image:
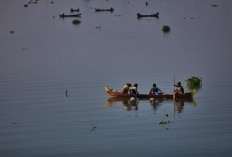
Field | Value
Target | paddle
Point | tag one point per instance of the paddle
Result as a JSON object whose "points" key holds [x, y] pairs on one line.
{"points": [[174, 98], [174, 88]]}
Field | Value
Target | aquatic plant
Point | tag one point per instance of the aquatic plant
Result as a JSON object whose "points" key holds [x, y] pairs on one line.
{"points": [[214, 5], [193, 83], [76, 22], [166, 28], [93, 127], [164, 122]]}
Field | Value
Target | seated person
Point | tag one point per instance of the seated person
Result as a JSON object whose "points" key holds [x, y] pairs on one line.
{"points": [[179, 89], [134, 90], [126, 88], [155, 90]]}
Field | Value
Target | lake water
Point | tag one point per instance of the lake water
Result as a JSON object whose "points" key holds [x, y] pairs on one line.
{"points": [[42, 56]]}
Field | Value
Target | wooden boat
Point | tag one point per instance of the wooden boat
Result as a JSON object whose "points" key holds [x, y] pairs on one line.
{"points": [[114, 93], [74, 10], [151, 15], [98, 10], [72, 15]]}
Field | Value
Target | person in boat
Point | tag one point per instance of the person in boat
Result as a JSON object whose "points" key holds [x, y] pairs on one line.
{"points": [[179, 89], [155, 90], [134, 90], [126, 88]]}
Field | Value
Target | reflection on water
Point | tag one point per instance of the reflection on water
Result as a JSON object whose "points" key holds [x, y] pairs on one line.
{"points": [[128, 103], [133, 103], [179, 104]]}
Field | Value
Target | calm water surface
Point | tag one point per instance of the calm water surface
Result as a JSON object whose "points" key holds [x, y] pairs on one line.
{"points": [[42, 56]]}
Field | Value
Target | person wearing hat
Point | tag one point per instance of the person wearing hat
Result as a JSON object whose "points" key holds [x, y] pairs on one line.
{"points": [[179, 89], [155, 90]]}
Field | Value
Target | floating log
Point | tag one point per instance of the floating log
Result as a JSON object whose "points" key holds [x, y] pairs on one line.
{"points": [[74, 10], [98, 10], [72, 15], [151, 15]]}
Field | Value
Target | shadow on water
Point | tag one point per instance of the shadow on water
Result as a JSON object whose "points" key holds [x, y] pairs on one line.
{"points": [[133, 103]]}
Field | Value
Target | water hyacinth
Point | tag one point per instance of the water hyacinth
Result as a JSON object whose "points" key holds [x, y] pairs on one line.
{"points": [[76, 22], [193, 82], [166, 29]]}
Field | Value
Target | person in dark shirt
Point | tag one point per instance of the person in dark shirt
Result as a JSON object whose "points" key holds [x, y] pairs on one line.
{"points": [[155, 90]]}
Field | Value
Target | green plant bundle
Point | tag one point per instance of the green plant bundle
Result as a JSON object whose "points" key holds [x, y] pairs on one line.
{"points": [[76, 22], [166, 29], [193, 82]]}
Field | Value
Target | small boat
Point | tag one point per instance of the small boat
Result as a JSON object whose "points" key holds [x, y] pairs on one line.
{"points": [[114, 93], [151, 15], [74, 10], [98, 10], [72, 15]]}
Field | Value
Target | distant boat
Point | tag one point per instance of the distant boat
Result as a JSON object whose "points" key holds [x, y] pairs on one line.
{"points": [[72, 15], [151, 15], [74, 10], [98, 10]]}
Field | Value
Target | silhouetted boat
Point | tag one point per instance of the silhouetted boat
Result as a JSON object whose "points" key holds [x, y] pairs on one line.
{"points": [[74, 10], [72, 15], [98, 10], [151, 15]]}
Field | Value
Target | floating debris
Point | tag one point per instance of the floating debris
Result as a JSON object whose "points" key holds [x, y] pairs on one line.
{"points": [[151, 15], [164, 122], [24, 49], [50, 1], [98, 27], [188, 18], [66, 93], [93, 127], [12, 32], [32, 2], [119, 15], [76, 22], [146, 3], [166, 28], [110, 10], [214, 5]]}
